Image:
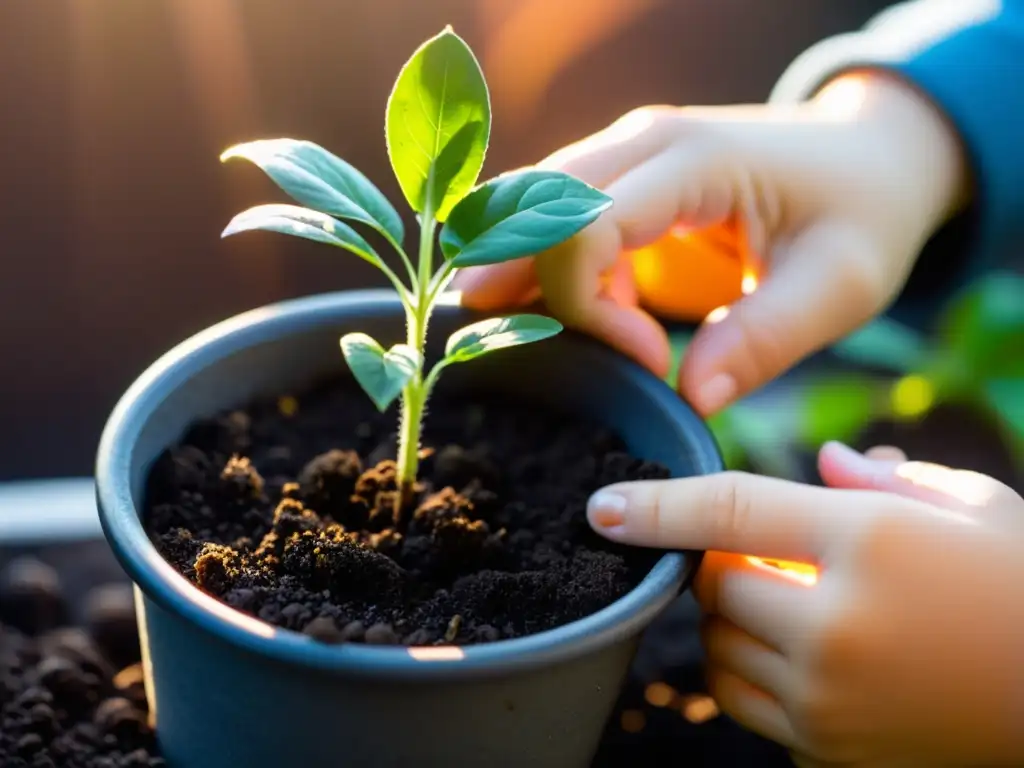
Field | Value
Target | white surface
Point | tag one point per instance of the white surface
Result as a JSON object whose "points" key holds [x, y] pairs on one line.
{"points": [[44, 511]]}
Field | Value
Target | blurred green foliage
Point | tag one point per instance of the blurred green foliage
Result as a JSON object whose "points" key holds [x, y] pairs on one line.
{"points": [[975, 358]]}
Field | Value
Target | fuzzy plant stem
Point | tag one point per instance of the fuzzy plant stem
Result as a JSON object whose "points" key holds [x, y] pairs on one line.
{"points": [[414, 396]]}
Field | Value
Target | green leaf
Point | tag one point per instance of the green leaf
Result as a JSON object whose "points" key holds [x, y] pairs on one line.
{"points": [[302, 222], [519, 214], [1006, 398], [677, 344], [724, 431], [498, 333], [838, 408], [315, 178], [383, 375], [984, 326], [758, 438], [885, 344], [438, 124]]}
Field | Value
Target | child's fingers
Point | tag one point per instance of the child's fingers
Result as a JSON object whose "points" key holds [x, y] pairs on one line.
{"points": [[821, 289], [497, 286], [602, 157], [885, 453], [750, 707], [736, 512], [573, 276], [599, 160], [731, 648], [765, 602], [980, 496]]}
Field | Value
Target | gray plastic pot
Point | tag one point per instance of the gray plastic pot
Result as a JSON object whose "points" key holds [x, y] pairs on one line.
{"points": [[229, 690]]}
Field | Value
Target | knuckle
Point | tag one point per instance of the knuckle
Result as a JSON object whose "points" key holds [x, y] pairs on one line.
{"points": [[728, 505], [982, 490], [815, 706], [762, 345], [808, 710], [864, 282], [647, 117], [658, 512]]}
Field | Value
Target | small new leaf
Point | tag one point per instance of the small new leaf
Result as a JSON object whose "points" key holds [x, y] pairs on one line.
{"points": [[519, 214], [302, 222], [314, 177], [438, 124], [498, 333], [382, 374]]}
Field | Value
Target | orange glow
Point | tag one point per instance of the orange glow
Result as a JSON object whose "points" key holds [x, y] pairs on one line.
{"points": [[437, 653], [699, 709], [689, 274], [659, 694], [215, 52], [632, 721], [749, 283], [800, 572], [717, 315]]}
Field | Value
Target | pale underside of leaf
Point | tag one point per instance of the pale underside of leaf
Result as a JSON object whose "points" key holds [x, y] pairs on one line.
{"points": [[320, 180], [305, 223], [382, 374], [498, 333]]}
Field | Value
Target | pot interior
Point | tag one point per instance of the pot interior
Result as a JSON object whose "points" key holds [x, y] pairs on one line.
{"points": [[286, 348]]}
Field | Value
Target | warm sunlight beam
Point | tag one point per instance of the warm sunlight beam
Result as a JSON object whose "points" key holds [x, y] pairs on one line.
{"points": [[529, 42]]}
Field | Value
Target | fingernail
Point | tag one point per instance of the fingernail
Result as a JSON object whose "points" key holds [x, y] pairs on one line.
{"points": [[885, 453], [607, 512], [716, 393], [858, 459], [467, 282]]}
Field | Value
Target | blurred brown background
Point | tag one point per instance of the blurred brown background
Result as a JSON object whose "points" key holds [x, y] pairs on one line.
{"points": [[114, 113]]}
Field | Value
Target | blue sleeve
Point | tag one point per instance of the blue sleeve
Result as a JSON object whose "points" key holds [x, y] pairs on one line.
{"points": [[967, 56]]}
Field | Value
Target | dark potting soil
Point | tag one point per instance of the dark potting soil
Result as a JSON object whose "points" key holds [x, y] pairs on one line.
{"points": [[63, 701], [285, 510], [663, 709]]}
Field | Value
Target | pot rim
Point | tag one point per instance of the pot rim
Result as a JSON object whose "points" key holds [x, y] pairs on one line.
{"points": [[161, 582]]}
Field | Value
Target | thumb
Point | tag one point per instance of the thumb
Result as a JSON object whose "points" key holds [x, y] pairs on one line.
{"points": [[821, 286], [732, 512]]}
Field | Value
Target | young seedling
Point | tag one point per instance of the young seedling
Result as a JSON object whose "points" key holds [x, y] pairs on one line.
{"points": [[437, 128]]}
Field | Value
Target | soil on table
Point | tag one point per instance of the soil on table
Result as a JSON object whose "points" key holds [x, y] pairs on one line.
{"points": [[286, 510], [65, 700], [75, 607]]}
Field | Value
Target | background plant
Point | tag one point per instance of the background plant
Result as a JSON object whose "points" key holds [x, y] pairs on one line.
{"points": [[975, 359], [437, 129], [761, 433]]}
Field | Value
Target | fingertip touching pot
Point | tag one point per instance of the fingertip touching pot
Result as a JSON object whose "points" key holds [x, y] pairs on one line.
{"points": [[229, 690]]}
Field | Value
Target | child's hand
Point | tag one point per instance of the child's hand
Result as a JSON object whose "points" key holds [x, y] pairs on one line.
{"points": [[908, 650], [836, 196]]}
